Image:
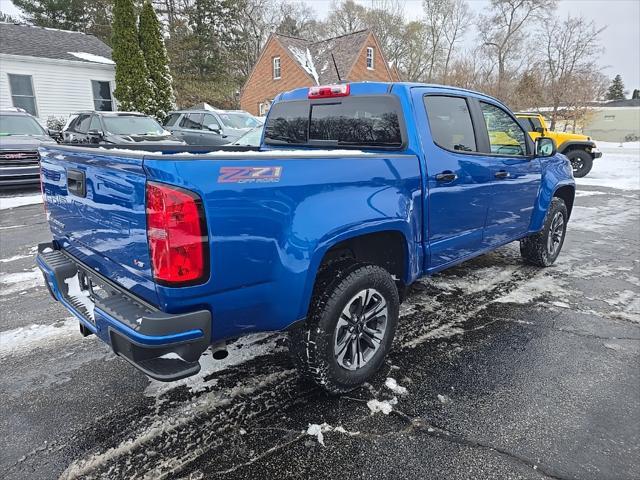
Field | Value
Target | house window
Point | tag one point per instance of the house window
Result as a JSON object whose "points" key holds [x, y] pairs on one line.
{"points": [[370, 58], [102, 100], [22, 94], [276, 68]]}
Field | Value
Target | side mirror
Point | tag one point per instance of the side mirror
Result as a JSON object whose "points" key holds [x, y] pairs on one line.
{"points": [[95, 135], [55, 134], [540, 130], [545, 147], [214, 127]]}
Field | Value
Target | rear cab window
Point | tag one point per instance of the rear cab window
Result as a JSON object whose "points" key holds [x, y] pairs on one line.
{"points": [[357, 122]]}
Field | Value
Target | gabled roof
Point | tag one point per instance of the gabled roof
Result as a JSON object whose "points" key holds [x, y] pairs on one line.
{"points": [[316, 59], [40, 42]]}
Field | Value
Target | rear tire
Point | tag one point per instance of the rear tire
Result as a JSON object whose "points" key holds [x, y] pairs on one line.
{"points": [[542, 248], [349, 328], [581, 162]]}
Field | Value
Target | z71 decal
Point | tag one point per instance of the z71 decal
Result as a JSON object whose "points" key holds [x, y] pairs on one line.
{"points": [[249, 174]]}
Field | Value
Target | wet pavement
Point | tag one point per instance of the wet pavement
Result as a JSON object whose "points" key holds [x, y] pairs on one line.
{"points": [[510, 372]]}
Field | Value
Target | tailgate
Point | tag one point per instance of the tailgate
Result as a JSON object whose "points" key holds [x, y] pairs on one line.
{"points": [[95, 203]]}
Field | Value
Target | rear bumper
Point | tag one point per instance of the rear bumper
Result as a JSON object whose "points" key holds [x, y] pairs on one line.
{"points": [[595, 153], [164, 346]]}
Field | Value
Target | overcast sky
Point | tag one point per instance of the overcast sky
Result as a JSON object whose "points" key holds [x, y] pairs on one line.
{"points": [[621, 38]]}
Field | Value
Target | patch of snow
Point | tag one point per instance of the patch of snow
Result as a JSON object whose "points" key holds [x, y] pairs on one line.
{"points": [[77, 293], [619, 167], [305, 60], [19, 281], [14, 258], [90, 57], [384, 406], [20, 201], [241, 351], [443, 399], [392, 385], [23, 339], [317, 430]]}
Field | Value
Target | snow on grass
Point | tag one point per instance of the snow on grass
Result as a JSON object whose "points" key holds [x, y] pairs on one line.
{"points": [[90, 57], [392, 385], [15, 282], [24, 339], [619, 167], [384, 406], [19, 201]]}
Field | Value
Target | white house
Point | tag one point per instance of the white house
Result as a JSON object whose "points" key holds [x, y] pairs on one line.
{"points": [[52, 73]]}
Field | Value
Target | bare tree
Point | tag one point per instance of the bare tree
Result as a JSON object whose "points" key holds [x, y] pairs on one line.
{"points": [[503, 30], [454, 29], [345, 17], [572, 48]]}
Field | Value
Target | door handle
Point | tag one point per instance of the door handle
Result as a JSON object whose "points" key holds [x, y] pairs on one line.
{"points": [[76, 183], [446, 176], [502, 174]]}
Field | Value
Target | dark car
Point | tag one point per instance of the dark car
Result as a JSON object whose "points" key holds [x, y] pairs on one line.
{"points": [[116, 128], [210, 127], [20, 137]]}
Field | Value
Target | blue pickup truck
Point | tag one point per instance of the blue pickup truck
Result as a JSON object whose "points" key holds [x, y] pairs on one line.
{"points": [[356, 191]]}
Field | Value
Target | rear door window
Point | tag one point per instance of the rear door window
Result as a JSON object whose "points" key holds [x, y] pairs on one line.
{"points": [[172, 119], [450, 123], [192, 121], [352, 121]]}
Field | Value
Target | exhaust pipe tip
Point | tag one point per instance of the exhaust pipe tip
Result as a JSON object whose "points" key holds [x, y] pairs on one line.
{"points": [[220, 354]]}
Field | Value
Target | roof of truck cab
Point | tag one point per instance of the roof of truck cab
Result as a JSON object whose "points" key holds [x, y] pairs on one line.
{"points": [[385, 87]]}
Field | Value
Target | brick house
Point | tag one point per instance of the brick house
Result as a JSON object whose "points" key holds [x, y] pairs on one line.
{"points": [[287, 62]]}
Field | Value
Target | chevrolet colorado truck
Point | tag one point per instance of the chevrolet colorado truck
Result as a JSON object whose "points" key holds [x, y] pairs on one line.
{"points": [[579, 149], [356, 191]]}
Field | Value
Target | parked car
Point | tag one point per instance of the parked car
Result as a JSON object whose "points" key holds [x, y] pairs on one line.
{"points": [[319, 233], [20, 137], [580, 149], [250, 139], [210, 127], [115, 128]]}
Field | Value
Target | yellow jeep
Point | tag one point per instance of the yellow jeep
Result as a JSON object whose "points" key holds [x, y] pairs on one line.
{"points": [[579, 149]]}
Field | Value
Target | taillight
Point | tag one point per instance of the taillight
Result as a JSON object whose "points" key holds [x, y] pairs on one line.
{"points": [[176, 231], [329, 91]]}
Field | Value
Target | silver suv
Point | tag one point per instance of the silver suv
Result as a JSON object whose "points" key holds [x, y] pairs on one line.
{"points": [[210, 127]]}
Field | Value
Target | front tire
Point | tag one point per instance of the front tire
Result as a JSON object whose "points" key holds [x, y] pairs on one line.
{"points": [[349, 329], [581, 162], [542, 248]]}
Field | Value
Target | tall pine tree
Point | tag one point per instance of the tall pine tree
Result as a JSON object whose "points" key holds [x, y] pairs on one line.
{"points": [[133, 89], [155, 56], [616, 89]]}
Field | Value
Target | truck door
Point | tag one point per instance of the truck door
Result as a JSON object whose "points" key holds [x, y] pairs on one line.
{"points": [[515, 175], [458, 179]]}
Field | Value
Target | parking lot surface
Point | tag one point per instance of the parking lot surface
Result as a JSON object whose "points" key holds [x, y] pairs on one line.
{"points": [[499, 370]]}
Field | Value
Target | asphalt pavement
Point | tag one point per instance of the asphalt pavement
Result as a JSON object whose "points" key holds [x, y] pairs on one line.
{"points": [[510, 372]]}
